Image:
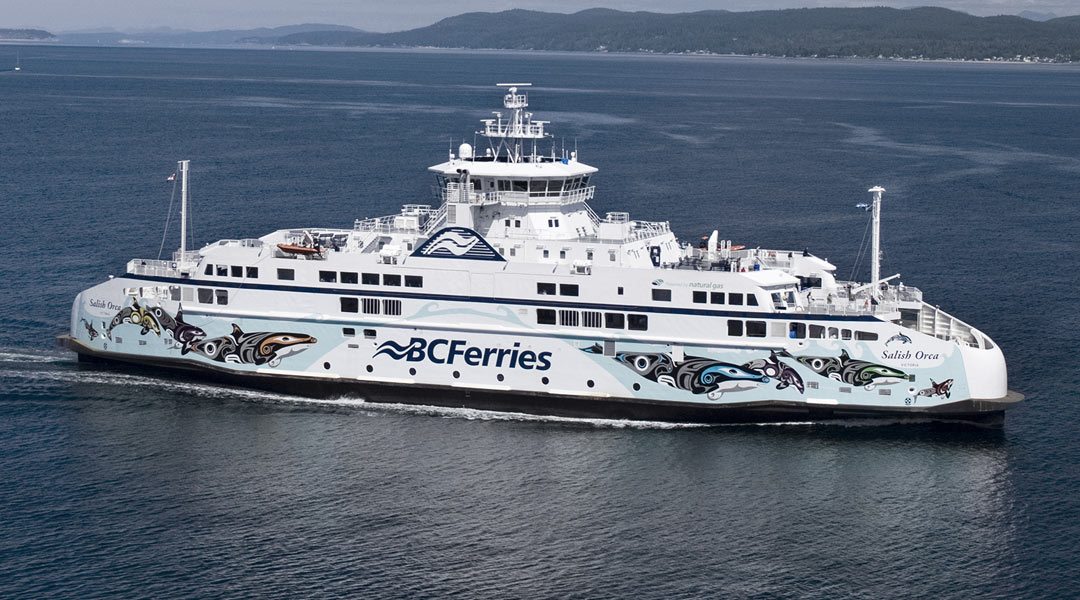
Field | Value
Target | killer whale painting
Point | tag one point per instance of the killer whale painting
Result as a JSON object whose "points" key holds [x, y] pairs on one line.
{"points": [[255, 348], [696, 374]]}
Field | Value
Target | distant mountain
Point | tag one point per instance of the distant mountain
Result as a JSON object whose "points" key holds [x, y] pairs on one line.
{"points": [[1036, 16], [26, 35], [935, 33], [164, 36]]}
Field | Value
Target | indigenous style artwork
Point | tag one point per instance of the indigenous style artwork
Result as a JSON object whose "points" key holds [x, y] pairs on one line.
{"points": [[695, 374], [256, 348], [136, 315], [938, 389], [848, 370], [714, 378]]}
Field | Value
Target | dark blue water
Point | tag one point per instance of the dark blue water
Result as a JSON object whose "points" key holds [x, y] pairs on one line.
{"points": [[115, 484]]}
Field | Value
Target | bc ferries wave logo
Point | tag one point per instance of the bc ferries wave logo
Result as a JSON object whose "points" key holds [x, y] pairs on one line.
{"points": [[458, 242], [446, 352]]}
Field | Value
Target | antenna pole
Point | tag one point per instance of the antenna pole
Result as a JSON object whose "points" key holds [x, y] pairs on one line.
{"points": [[183, 210], [875, 262]]}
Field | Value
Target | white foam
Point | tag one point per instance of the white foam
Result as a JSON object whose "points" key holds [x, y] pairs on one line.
{"points": [[26, 357]]}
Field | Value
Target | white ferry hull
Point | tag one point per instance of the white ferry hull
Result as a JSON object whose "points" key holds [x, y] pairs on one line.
{"points": [[505, 364]]}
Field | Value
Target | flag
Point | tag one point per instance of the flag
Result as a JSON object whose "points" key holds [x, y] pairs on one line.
{"points": [[171, 177]]}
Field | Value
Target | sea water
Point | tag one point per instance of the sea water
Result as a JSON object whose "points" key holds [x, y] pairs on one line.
{"points": [[130, 484]]}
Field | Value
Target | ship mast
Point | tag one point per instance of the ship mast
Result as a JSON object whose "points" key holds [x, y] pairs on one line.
{"points": [[515, 130], [875, 262], [183, 212]]}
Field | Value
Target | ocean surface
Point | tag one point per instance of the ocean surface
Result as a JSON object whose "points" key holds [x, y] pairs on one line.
{"points": [[127, 485]]}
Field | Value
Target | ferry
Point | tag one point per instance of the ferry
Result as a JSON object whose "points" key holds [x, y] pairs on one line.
{"points": [[509, 293]]}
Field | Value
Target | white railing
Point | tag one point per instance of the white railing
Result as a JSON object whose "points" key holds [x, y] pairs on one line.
{"points": [[452, 193]]}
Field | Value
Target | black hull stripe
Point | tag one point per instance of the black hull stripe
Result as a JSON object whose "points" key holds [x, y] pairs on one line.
{"points": [[381, 293]]}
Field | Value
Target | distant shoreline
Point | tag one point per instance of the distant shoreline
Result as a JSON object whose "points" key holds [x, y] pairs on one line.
{"points": [[578, 53]]}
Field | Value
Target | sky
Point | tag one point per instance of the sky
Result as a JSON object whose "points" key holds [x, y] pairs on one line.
{"points": [[395, 15]]}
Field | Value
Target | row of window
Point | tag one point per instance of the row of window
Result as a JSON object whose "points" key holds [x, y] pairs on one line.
{"points": [[729, 298], [232, 271], [590, 318], [350, 277], [739, 328], [564, 289], [371, 306]]}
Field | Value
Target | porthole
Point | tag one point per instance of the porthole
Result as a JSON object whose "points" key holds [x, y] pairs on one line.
{"points": [[457, 374], [544, 380], [326, 366], [412, 371], [590, 383], [637, 387], [370, 368], [500, 377]]}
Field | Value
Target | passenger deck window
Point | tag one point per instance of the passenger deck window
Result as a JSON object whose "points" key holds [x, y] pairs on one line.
{"points": [[206, 296], [369, 279], [328, 276], [734, 327], [414, 281], [253, 272], [614, 320], [222, 271], [637, 322], [209, 270], [755, 328], [751, 300], [545, 289], [237, 271], [568, 289], [349, 277], [222, 296], [661, 295], [716, 297], [286, 274], [797, 330], [545, 316], [868, 336], [735, 298], [391, 279], [817, 332], [701, 297], [350, 305]]}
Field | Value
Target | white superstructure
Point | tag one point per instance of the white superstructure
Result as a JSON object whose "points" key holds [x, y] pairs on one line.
{"points": [[510, 293]]}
